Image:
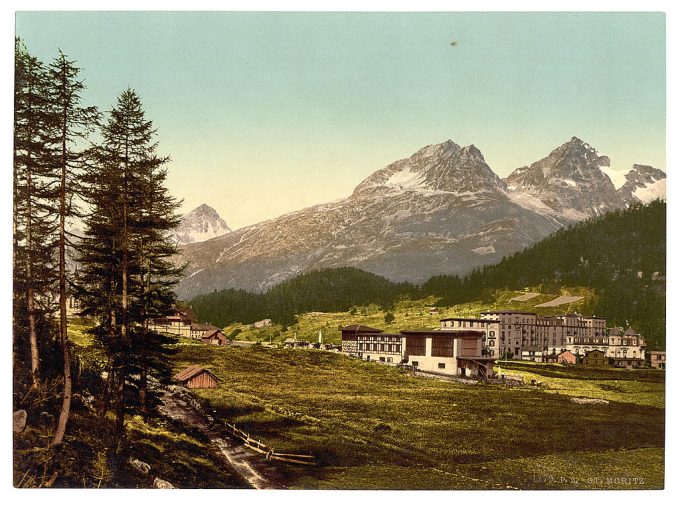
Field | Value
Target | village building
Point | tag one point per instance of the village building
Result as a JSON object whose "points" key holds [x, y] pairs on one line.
{"points": [[262, 323], [529, 336], [182, 322], [451, 352], [214, 337], [195, 377], [178, 323], [350, 337], [566, 358], [657, 359], [595, 358], [198, 330]]}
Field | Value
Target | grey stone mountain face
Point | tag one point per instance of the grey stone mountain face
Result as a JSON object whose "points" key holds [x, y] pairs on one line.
{"points": [[202, 223], [569, 181], [440, 211], [640, 176]]}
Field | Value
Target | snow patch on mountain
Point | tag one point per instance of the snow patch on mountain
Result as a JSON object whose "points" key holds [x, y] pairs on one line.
{"points": [[655, 190], [201, 224], [488, 249], [618, 177]]}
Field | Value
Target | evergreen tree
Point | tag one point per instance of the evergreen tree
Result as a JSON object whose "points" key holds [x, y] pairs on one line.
{"points": [[34, 211], [72, 123], [127, 276]]}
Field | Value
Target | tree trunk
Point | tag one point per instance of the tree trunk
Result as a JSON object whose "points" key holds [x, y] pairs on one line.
{"points": [[30, 295], [120, 407], [63, 323], [143, 387], [106, 395]]}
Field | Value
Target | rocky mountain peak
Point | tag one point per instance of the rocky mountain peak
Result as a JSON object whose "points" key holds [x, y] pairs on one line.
{"points": [[644, 183], [569, 180], [445, 167], [202, 223]]}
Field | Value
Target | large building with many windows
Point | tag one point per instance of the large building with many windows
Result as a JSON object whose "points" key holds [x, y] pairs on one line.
{"points": [[450, 352], [527, 335]]}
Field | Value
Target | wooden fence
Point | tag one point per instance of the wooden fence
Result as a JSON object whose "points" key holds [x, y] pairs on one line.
{"points": [[268, 452]]}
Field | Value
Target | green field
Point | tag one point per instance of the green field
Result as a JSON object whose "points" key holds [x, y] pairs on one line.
{"points": [[373, 426], [409, 315]]}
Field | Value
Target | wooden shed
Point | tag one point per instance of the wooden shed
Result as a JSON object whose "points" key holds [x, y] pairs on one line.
{"points": [[595, 358], [566, 358], [214, 337], [195, 377]]}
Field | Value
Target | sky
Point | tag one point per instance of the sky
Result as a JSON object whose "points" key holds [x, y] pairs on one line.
{"points": [[266, 113]]}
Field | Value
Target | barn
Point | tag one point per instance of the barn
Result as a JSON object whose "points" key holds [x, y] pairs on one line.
{"points": [[195, 377], [214, 337]]}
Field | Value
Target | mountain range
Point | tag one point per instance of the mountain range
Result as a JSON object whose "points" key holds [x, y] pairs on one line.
{"points": [[440, 211]]}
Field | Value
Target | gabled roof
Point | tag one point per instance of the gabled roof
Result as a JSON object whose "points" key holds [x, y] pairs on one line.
{"points": [[212, 333], [565, 352], [184, 309], [592, 351], [203, 327], [191, 372], [361, 328]]}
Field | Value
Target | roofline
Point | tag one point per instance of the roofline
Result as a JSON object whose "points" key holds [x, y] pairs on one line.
{"points": [[444, 333], [508, 311], [468, 319]]}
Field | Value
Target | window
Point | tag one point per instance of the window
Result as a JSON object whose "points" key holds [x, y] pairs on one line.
{"points": [[492, 333], [441, 366], [415, 346], [389, 360], [382, 359], [442, 347], [415, 364]]}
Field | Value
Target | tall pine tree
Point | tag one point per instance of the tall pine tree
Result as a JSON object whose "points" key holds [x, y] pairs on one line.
{"points": [[72, 124], [126, 273], [34, 210]]}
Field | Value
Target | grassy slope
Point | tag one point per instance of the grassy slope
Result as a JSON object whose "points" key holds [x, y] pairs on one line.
{"points": [[409, 314], [176, 455], [372, 426]]}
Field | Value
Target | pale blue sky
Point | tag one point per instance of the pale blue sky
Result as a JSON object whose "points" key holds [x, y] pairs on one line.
{"points": [[264, 113]]}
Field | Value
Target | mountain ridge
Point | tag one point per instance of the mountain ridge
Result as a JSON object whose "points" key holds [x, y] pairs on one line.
{"points": [[441, 210]]}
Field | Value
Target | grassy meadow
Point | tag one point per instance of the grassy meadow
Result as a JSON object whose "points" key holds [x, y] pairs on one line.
{"points": [[375, 427], [409, 315]]}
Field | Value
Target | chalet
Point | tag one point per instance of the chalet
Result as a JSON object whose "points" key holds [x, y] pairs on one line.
{"points": [[566, 358], [262, 323], [198, 330], [433, 311], [628, 362], [195, 377], [350, 336], [178, 323], [657, 359], [214, 337], [595, 358]]}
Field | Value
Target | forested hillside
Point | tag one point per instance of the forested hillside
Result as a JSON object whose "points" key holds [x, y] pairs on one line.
{"points": [[621, 255], [334, 289]]}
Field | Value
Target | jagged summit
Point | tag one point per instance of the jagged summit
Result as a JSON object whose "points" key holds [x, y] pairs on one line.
{"points": [[202, 223], [570, 181], [445, 167]]}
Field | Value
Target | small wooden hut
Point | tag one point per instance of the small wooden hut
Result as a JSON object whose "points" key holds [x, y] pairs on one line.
{"points": [[195, 377]]}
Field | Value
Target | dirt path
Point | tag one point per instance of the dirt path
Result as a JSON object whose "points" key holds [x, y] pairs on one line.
{"points": [[179, 405]]}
